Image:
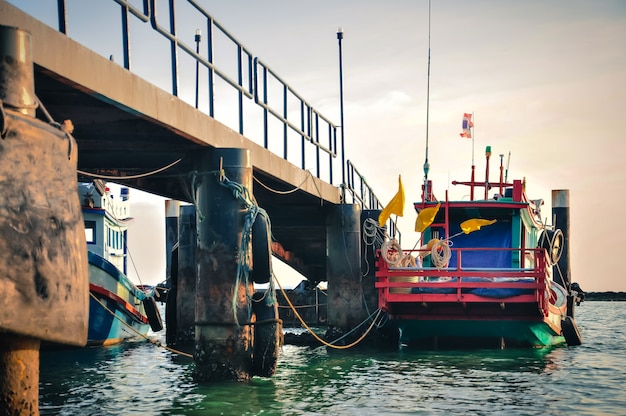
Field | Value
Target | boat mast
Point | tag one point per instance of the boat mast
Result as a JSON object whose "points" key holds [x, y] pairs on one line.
{"points": [[426, 190], [473, 175]]}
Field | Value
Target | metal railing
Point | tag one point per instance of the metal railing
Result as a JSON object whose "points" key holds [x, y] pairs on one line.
{"points": [[316, 136]]}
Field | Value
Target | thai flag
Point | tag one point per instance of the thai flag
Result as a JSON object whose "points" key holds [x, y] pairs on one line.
{"points": [[467, 125]]}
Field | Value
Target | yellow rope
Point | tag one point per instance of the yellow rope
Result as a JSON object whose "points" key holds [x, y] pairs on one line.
{"points": [[150, 340], [338, 347]]}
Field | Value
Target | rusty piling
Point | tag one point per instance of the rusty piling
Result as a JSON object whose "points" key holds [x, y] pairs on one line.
{"points": [[224, 334]]}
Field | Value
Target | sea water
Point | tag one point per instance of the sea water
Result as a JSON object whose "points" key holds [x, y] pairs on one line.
{"points": [[143, 379]]}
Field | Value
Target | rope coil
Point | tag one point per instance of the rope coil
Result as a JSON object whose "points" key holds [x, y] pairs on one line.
{"points": [[440, 253]]}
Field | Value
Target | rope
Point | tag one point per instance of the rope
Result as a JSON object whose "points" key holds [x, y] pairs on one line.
{"points": [[283, 192], [317, 337], [392, 252], [64, 128], [141, 175], [150, 340], [310, 175], [440, 253], [243, 194]]}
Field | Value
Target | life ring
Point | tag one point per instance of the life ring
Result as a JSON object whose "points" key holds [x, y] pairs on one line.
{"points": [[152, 313], [261, 251]]}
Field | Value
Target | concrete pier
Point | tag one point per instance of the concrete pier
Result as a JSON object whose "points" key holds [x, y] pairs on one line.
{"points": [[224, 334]]}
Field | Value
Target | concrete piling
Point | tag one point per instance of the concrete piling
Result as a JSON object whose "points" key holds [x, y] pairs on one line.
{"points": [[224, 334], [44, 283], [345, 295], [19, 389], [186, 284]]}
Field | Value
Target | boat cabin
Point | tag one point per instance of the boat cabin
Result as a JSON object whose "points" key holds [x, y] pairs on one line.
{"points": [[106, 218]]}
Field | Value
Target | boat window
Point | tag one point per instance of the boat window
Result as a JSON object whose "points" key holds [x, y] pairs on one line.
{"points": [[90, 232]]}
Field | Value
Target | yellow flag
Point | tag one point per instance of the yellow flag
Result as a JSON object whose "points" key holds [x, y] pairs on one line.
{"points": [[474, 224], [426, 217], [395, 206]]}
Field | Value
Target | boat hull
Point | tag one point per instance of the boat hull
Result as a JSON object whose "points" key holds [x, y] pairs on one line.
{"points": [[116, 311], [477, 333]]}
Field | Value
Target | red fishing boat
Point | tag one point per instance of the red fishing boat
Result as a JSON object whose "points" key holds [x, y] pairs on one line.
{"points": [[488, 271]]}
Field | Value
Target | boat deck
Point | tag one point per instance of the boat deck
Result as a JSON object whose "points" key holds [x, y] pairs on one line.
{"points": [[468, 293]]}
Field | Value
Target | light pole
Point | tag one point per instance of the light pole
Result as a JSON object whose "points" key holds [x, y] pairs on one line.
{"points": [[197, 38], [343, 156]]}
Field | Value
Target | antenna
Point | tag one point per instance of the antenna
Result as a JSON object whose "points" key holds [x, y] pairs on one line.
{"points": [[506, 172], [426, 164]]}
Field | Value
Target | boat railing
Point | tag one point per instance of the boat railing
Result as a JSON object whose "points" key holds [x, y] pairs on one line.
{"points": [[456, 283]]}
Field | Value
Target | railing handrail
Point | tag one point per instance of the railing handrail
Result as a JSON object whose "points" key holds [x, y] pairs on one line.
{"points": [[251, 83]]}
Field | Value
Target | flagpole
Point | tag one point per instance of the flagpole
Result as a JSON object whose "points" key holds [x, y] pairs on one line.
{"points": [[426, 191], [473, 133], [471, 127]]}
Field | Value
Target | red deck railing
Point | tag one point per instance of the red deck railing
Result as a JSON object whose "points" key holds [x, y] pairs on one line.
{"points": [[425, 284]]}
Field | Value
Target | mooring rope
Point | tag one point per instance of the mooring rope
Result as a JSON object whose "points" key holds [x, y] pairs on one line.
{"points": [[67, 128], [283, 192], [150, 340], [324, 342], [138, 176], [242, 194]]}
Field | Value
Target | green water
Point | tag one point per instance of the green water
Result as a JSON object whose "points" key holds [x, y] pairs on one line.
{"points": [[141, 379]]}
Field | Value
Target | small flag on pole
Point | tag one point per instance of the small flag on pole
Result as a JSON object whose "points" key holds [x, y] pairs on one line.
{"points": [[395, 206], [426, 217], [467, 125]]}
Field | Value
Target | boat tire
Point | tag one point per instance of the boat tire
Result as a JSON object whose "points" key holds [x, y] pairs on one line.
{"points": [[153, 314], [268, 336], [570, 331], [261, 251]]}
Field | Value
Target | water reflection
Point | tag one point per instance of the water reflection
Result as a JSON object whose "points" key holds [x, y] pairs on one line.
{"points": [[143, 379]]}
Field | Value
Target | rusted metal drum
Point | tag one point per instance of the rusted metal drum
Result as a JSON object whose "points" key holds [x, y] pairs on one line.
{"points": [[17, 85], [44, 282]]}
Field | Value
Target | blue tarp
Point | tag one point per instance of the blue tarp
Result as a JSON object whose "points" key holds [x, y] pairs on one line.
{"points": [[497, 235]]}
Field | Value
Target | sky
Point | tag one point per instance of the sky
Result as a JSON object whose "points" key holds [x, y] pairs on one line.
{"points": [[545, 80]]}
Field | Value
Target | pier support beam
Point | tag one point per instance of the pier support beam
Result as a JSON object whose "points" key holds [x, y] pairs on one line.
{"points": [[185, 313], [345, 296], [368, 257], [224, 335]]}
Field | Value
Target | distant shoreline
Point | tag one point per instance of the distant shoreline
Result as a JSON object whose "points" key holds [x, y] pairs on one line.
{"points": [[610, 296]]}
